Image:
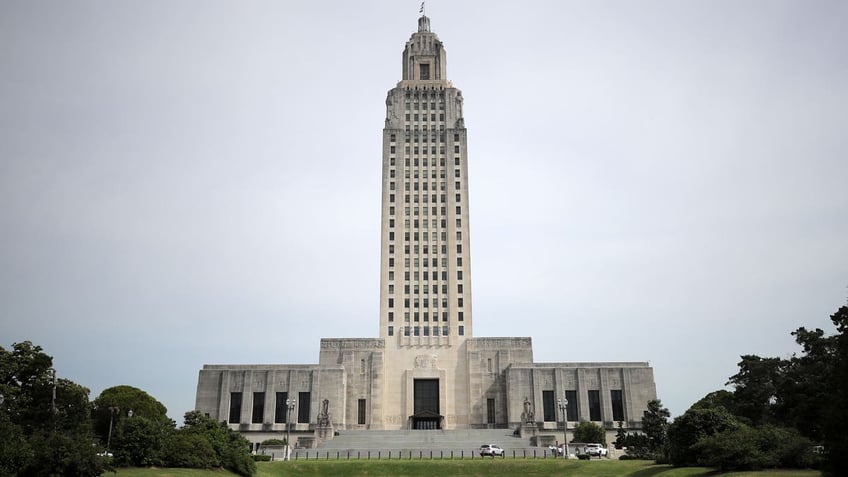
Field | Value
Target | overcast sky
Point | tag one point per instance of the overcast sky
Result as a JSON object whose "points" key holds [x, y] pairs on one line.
{"points": [[198, 182]]}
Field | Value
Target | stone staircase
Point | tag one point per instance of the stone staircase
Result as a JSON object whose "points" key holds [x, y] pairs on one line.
{"points": [[461, 442]]}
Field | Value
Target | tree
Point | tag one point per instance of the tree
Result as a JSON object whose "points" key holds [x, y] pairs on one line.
{"points": [[835, 413], [589, 432], [720, 398], [45, 421], [231, 448], [692, 426], [190, 450], [125, 398], [620, 436], [757, 386], [755, 448], [140, 441], [655, 426]]}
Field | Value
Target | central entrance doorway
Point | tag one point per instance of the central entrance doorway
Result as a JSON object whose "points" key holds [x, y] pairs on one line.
{"points": [[426, 401]]}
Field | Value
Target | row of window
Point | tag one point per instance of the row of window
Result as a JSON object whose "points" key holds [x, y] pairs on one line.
{"points": [[415, 223], [426, 330], [416, 290], [423, 106], [460, 316], [416, 275], [434, 275], [423, 94], [415, 210], [441, 136], [423, 117], [281, 415], [424, 263], [426, 249], [416, 237], [423, 163], [457, 185], [423, 150], [549, 405], [425, 302]]}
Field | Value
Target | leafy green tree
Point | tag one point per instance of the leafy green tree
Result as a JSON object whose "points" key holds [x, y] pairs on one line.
{"points": [[589, 432], [836, 412], [62, 453], [231, 448], [692, 426], [45, 421], [720, 398], [190, 450], [125, 399], [755, 448], [655, 426], [756, 388], [620, 436], [140, 441], [26, 384], [15, 452]]}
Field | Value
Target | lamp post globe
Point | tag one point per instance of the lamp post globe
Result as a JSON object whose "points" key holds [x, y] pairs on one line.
{"points": [[563, 407], [289, 408]]}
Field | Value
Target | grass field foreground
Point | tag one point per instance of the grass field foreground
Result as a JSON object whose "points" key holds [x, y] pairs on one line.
{"points": [[481, 467]]}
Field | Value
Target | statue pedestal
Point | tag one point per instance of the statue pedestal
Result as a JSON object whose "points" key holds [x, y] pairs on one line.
{"points": [[324, 433], [528, 430]]}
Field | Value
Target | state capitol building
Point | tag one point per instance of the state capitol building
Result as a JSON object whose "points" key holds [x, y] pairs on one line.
{"points": [[426, 370]]}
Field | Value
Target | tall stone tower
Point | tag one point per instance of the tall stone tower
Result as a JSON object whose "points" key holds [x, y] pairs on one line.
{"points": [[425, 283], [425, 370]]}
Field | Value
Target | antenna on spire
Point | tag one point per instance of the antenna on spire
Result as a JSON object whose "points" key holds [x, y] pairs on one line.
{"points": [[421, 10]]}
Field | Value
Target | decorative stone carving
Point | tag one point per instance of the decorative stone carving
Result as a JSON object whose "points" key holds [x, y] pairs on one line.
{"points": [[425, 361], [324, 415], [527, 416]]}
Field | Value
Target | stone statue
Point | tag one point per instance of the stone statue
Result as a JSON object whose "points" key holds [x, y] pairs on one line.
{"points": [[324, 415], [459, 103], [527, 415], [390, 111]]}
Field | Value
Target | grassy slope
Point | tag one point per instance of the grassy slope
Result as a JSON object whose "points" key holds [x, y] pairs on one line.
{"points": [[485, 467]]}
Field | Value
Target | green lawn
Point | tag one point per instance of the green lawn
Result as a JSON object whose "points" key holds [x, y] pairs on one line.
{"points": [[477, 467]]}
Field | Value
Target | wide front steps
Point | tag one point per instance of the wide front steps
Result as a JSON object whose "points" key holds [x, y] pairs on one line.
{"points": [[467, 440]]}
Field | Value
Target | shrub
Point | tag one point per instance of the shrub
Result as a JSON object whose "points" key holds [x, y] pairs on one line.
{"points": [[261, 458], [189, 450], [273, 442], [694, 425], [754, 448], [586, 431]]}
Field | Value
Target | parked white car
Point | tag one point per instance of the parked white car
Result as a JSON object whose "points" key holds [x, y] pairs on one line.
{"points": [[596, 450], [490, 449]]}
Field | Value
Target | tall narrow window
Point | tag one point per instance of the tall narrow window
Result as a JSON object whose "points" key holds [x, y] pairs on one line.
{"points": [[548, 405], [490, 411], [361, 412], [280, 410], [235, 408], [594, 405], [258, 408], [303, 403], [571, 412], [617, 405], [425, 71]]}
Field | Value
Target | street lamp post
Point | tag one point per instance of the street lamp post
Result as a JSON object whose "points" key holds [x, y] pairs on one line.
{"points": [[113, 411], [289, 408], [563, 407]]}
